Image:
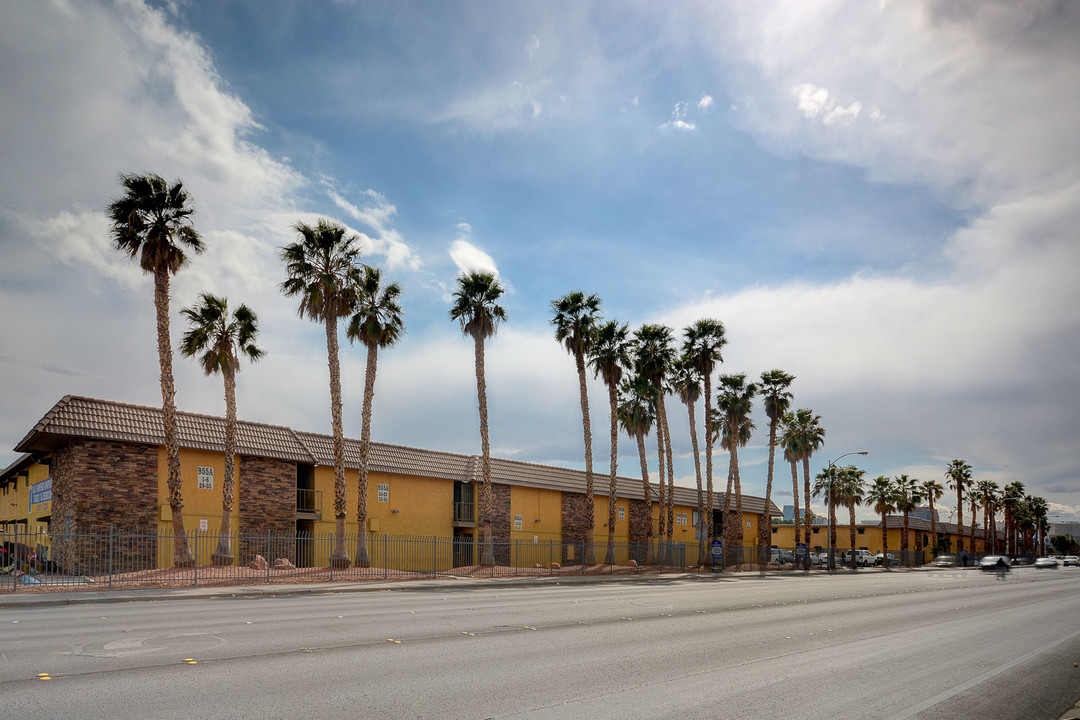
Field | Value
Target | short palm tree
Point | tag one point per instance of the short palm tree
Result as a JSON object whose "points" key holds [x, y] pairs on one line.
{"points": [[1011, 496], [476, 308], [907, 499], [378, 322], [152, 222], [777, 399], [882, 496], [932, 490], [636, 416], [850, 493], [827, 485], [790, 440], [989, 493], [959, 474], [703, 341], [684, 378], [653, 358], [734, 400], [608, 356], [811, 436], [1038, 509], [576, 316], [219, 340], [322, 269]]}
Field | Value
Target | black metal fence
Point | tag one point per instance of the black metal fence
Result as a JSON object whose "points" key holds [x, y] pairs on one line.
{"points": [[124, 558]]}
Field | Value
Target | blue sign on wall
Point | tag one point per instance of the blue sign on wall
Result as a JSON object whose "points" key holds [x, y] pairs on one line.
{"points": [[40, 493]]}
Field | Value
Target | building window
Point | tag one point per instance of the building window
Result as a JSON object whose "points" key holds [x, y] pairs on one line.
{"points": [[816, 530], [680, 518], [384, 492], [860, 530], [622, 512], [517, 522]]}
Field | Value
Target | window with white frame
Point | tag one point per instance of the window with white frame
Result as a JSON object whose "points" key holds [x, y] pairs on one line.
{"points": [[680, 518], [622, 512], [384, 492], [517, 522]]}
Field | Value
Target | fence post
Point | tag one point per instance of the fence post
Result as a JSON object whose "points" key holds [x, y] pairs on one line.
{"points": [[386, 557], [268, 555], [110, 555]]}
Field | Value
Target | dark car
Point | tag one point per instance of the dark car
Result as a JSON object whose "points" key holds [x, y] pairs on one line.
{"points": [[13, 552]]}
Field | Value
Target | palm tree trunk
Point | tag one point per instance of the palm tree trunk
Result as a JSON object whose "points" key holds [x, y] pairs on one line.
{"points": [[806, 497], [700, 493], [740, 533], [960, 517], [974, 510], [661, 525], [851, 528], [987, 540], [613, 402], [590, 504], [647, 494], [933, 522], [339, 558], [795, 500], [670, 471], [884, 541], [183, 556], [832, 527], [733, 525], [362, 558], [904, 541], [765, 522], [708, 458], [223, 554], [487, 556]]}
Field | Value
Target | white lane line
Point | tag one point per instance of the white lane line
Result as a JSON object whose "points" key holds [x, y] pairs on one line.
{"points": [[940, 697]]}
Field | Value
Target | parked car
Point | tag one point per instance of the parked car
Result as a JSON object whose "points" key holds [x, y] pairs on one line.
{"points": [[782, 557], [1045, 562], [946, 560], [992, 563], [863, 558], [880, 559], [1070, 560]]}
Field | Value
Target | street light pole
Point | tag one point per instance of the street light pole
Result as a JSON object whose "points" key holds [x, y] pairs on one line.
{"points": [[832, 482]]}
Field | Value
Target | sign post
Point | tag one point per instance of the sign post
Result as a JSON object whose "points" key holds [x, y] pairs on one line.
{"points": [[800, 553], [717, 551]]}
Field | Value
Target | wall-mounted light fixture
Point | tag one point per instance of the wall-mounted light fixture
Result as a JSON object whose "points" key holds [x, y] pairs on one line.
{"points": [[395, 511]]}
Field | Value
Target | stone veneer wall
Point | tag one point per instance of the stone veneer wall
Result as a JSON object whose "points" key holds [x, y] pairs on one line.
{"points": [[574, 526], [500, 522], [266, 500], [104, 490]]}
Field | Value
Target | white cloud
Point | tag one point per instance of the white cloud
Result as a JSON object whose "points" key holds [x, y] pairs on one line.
{"points": [[467, 257], [678, 119], [705, 102], [377, 213], [533, 46]]}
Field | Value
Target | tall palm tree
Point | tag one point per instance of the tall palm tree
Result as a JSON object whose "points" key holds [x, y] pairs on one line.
{"points": [[684, 379], [703, 342], [575, 320], [1011, 496], [734, 400], [959, 474], [932, 490], [850, 492], [477, 310], [608, 356], [975, 499], [907, 499], [776, 399], [151, 222], [378, 322], [321, 268], [636, 416], [653, 357], [882, 496], [811, 436], [1039, 510], [988, 494], [220, 339], [790, 440]]}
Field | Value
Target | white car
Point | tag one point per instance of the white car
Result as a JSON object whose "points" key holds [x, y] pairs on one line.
{"points": [[863, 558], [1070, 560]]}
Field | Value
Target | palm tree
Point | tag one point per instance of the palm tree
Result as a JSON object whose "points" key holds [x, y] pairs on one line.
{"points": [[850, 491], [575, 321], [959, 474], [152, 222], [932, 490], [735, 401], [791, 442], [477, 310], [827, 485], [989, 493], [219, 340], [777, 400], [321, 268], [907, 499], [811, 436], [378, 322], [653, 356], [1038, 509], [636, 415], [703, 342], [882, 496], [1011, 496], [684, 378], [608, 356], [975, 499]]}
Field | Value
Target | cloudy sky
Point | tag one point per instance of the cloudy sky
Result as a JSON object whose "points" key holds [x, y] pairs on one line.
{"points": [[880, 198]]}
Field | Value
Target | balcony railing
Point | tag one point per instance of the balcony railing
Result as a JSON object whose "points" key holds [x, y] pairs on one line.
{"points": [[464, 512], [309, 501]]}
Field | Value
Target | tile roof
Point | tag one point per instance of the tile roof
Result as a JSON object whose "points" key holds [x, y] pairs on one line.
{"points": [[106, 420]]}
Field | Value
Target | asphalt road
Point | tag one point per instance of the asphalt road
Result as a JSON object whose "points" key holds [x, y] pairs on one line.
{"points": [[931, 644]]}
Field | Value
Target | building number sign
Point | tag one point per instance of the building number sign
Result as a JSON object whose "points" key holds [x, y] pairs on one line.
{"points": [[206, 478]]}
